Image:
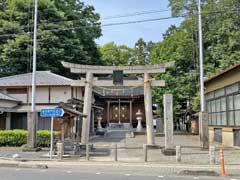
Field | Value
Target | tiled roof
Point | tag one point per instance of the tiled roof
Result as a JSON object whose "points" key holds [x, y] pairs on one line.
{"points": [[43, 78], [7, 97], [121, 91]]}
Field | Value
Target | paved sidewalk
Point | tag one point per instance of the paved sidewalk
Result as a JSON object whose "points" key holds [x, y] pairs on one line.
{"points": [[131, 151]]}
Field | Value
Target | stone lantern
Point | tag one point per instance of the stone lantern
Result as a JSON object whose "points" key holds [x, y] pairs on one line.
{"points": [[139, 119], [99, 118]]}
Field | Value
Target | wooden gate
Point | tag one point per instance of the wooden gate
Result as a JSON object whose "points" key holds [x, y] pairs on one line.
{"points": [[119, 113]]}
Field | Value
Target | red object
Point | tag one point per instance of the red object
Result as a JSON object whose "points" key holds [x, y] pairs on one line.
{"points": [[222, 163]]}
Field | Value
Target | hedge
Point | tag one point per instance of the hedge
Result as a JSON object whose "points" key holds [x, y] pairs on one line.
{"points": [[19, 137]]}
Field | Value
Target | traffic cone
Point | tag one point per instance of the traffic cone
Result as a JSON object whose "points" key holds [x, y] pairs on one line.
{"points": [[222, 163]]}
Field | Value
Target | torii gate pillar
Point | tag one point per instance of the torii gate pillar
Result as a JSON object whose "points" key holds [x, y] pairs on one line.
{"points": [[87, 108], [148, 109]]}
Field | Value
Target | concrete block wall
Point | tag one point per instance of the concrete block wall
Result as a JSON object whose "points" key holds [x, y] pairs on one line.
{"points": [[211, 134], [227, 135]]}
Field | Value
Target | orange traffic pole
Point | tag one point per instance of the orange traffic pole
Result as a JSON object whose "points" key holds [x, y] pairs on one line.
{"points": [[222, 163]]}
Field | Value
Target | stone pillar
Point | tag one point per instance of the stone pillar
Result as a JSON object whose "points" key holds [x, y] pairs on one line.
{"points": [[148, 109], [8, 121], [87, 108], [31, 126], [203, 130], [168, 120]]}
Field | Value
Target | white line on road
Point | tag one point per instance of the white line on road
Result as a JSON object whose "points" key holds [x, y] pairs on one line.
{"points": [[196, 178], [18, 169], [98, 173], [161, 176], [127, 174], [69, 172]]}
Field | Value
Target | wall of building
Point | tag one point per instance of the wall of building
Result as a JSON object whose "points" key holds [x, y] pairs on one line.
{"points": [[223, 80], [60, 94], [227, 135], [223, 107], [42, 95], [23, 97], [78, 93]]}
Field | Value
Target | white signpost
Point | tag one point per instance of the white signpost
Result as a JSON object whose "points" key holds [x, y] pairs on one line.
{"points": [[56, 112]]}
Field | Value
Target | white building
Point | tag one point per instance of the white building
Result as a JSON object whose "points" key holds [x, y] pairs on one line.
{"points": [[15, 97]]}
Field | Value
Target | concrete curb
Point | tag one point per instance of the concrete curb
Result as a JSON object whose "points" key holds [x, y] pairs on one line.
{"points": [[23, 165], [198, 173]]}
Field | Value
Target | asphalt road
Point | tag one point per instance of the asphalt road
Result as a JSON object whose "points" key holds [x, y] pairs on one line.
{"points": [[65, 174]]}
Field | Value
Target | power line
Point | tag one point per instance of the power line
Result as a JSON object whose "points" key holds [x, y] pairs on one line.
{"points": [[127, 15], [110, 24], [139, 21], [135, 14]]}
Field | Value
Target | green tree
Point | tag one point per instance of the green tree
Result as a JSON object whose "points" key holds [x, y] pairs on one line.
{"points": [[113, 54], [141, 52], [66, 32], [178, 45], [221, 28]]}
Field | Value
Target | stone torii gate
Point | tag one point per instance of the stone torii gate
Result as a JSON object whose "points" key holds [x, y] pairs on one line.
{"points": [[90, 81]]}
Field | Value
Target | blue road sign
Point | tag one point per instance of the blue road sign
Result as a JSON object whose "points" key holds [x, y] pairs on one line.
{"points": [[56, 112]]}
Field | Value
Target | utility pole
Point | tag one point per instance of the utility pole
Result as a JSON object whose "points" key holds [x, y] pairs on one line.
{"points": [[203, 117], [202, 102], [32, 119]]}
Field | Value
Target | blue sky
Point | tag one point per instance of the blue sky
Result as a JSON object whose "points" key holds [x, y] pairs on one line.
{"points": [[129, 34]]}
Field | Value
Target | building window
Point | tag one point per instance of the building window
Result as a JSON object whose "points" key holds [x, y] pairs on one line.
{"points": [[17, 90], [223, 106], [232, 89]]}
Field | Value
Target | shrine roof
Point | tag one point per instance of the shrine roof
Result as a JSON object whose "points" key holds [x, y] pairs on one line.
{"points": [[119, 91]]}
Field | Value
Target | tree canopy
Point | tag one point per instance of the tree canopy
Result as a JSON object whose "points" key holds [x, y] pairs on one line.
{"points": [[221, 43], [66, 32]]}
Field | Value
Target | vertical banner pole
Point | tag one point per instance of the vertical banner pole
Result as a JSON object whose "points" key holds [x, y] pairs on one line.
{"points": [[51, 145]]}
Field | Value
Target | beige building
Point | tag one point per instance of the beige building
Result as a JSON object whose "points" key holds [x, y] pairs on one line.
{"points": [[223, 107], [15, 97]]}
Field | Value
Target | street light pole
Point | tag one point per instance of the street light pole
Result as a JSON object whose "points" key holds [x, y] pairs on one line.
{"points": [[32, 119]]}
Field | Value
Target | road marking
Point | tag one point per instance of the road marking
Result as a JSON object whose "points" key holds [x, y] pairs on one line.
{"points": [[43, 170], [196, 178], [98, 173], [233, 179], [161, 176], [69, 172], [17, 169], [127, 174]]}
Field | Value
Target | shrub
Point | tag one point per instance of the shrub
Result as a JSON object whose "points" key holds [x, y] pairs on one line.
{"points": [[19, 137], [13, 137], [44, 138]]}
